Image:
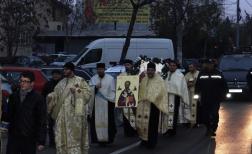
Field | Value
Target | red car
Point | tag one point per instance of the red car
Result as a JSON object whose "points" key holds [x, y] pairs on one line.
{"points": [[13, 75]]}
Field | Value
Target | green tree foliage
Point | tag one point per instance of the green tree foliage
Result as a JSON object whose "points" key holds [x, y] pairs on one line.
{"points": [[202, 26]]}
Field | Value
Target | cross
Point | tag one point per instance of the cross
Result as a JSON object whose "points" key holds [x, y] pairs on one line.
{"points": [[170, 120], [171, 106]]}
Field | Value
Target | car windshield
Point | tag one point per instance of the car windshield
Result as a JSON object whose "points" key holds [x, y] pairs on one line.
{"points": [[2, 78], [235, 63], [79, 54]]}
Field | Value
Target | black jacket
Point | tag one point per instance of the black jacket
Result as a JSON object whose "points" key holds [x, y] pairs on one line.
{"points": [[28, 118], [211, 86], [49, 87]]}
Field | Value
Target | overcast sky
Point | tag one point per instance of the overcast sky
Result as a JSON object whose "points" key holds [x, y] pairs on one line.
{"points": [[230, 7]]}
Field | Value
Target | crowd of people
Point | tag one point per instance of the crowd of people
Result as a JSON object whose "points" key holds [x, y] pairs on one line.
{"points": [[73, 109]]}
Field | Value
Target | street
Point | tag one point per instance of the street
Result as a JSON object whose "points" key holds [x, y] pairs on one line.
{"points": [[234, 136]]}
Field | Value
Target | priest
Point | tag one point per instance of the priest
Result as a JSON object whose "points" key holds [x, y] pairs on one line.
{"points": [[178, 101], [103, 128], [152, 101]]}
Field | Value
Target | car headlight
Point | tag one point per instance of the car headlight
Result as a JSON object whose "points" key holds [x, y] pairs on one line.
{"points": [[228, 95], [196, 96]]}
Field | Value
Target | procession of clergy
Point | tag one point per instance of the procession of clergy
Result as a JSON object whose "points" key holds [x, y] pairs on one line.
{"points": [[162, 105]]}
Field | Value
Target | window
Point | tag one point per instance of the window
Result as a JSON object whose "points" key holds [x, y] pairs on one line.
{"points": [[82, 74], [25, 38], [235, 63], [92, 56]]}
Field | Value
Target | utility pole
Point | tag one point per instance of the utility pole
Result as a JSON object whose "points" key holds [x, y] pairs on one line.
{"points": [[238, 13]]}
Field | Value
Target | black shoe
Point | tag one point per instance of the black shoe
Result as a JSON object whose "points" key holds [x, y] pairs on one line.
{"points": [[52, 144], [170, 132], [210, 133], [143, 144], [102, 144], [213, 134], [187, 125], [196, 126]]}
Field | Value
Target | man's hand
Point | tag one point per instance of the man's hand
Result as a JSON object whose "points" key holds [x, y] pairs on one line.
{"points": [[40, 147], [98, 85], [48, 98]]}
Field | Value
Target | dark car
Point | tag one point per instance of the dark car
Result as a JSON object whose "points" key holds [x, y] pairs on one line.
{"points": [[78, 71], [234, 68]]}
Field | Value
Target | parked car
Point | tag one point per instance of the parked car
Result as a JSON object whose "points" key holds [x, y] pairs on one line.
{"points": [[234, 68], [115, 70], [12, 74], [78, 71], [31, 61], [24, 61], [6, 86], [61, 60]]}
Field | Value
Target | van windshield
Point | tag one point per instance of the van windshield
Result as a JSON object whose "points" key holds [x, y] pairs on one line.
{"points": [[79, 54], [232, 63]]}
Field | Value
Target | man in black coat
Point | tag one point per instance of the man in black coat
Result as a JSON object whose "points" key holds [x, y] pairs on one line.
{"points": [[249, 80], [48, 88], [211, 89], [27, 115]]}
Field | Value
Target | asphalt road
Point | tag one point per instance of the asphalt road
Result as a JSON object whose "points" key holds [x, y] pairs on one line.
{"points": [[234, 136]]}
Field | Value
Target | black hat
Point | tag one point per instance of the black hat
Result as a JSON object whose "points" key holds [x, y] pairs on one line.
{"points": [[69, 65], [56, 71], [128, 61], [100, 65], [156, 60], [151, 65], [173, 61]]}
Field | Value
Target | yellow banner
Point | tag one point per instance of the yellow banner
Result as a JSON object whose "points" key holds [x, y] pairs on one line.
{"points": [[109, 11]]}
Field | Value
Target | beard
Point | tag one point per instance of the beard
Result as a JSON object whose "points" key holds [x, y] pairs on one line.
{"points": [[101, 75]]}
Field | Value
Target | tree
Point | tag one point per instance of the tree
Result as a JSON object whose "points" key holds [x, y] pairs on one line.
{"points": [[16, 17], [173, 14], [191, 26], [248, 30], [204, 20], [136, 6], [75, 21]]}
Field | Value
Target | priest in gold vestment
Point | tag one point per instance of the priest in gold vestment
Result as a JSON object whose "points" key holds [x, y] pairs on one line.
{"points": [[67, 104], [152, 100]]}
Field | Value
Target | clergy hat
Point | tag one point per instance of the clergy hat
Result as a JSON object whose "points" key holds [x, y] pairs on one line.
{"points": [[151, 65], [100, 65], [56, 71], [69, 65], [173, 61], [128, 61]]}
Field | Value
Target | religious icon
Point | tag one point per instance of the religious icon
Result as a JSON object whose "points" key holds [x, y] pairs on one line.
{"points": [[127, 91]]}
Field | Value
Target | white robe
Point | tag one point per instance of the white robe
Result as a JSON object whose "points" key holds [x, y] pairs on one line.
{"points": [[176, 86], [105, 93]]}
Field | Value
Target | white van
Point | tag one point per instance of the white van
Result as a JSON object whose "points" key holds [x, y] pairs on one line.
{"points": [[109, 50]]}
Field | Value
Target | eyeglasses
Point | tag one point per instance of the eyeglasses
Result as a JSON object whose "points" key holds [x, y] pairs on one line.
{"points": [[24, 81]]}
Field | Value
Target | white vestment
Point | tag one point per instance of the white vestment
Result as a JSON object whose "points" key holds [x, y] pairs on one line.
{"points": [[104, 94], [176, 85]]}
